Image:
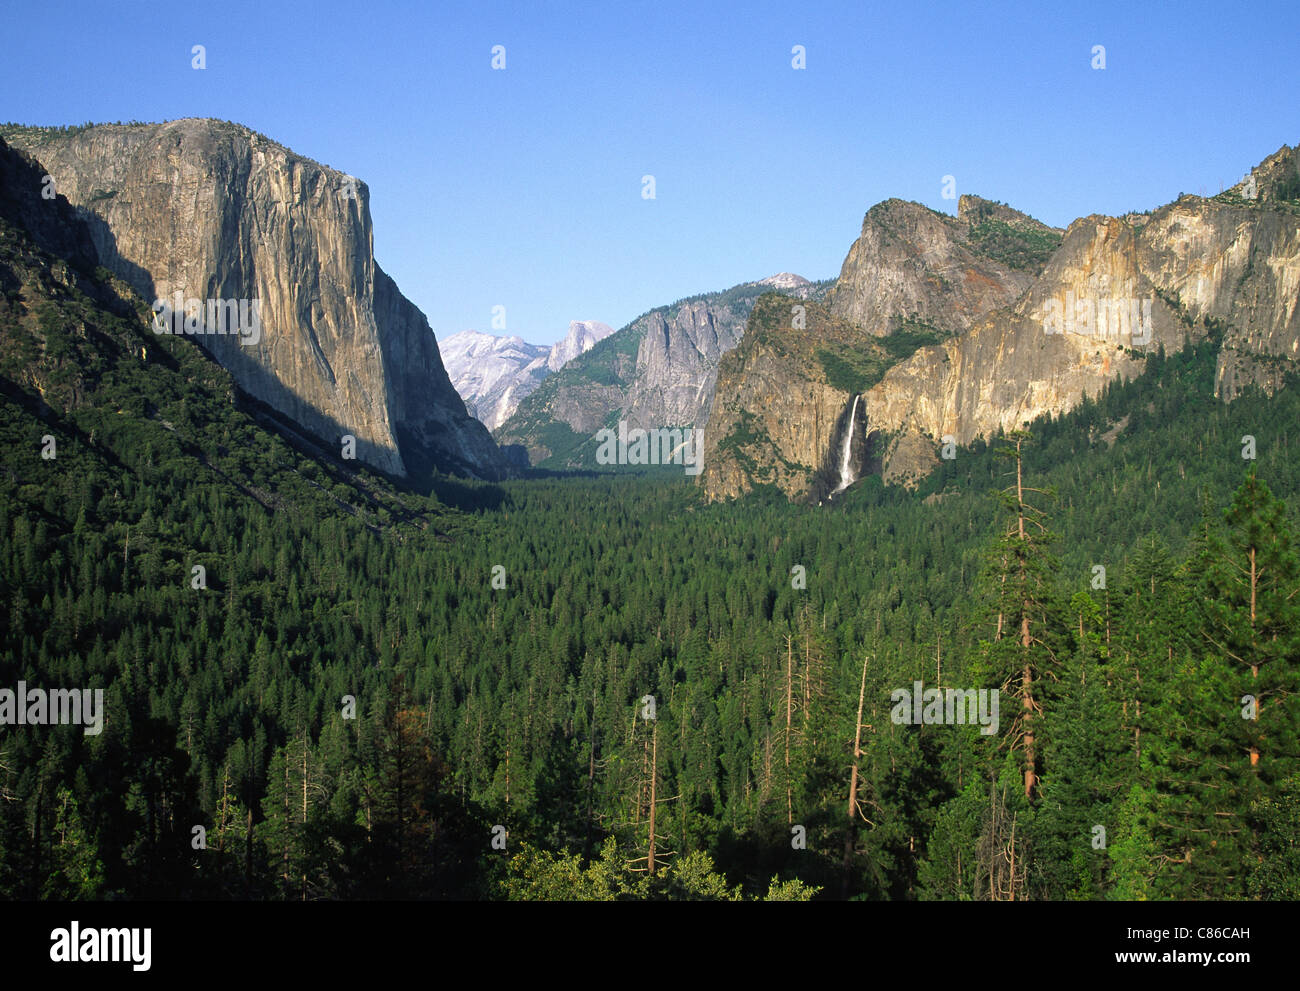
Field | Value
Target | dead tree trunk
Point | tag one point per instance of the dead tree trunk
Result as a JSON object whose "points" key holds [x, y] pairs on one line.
{"points": [[853, 782]]}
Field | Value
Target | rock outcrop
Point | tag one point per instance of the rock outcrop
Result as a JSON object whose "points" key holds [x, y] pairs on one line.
{"points": [[781, 396], [212, 210], [914, 264], [1116, 290], [914, 275]]}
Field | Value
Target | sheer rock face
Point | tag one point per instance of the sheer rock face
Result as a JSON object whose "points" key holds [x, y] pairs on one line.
{"points": [[911, 262], [677, 363], [213, 210], [1236, 260], [1236, 263], [1114, 290], [1029, 359]]}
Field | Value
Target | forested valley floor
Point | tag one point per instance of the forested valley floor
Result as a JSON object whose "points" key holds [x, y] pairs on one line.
{"points": [[602, 687]]}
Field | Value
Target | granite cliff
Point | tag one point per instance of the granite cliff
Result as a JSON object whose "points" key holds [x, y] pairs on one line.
{"points": [[913, 263], [212, 210], [781, 395], [1020, 326]]}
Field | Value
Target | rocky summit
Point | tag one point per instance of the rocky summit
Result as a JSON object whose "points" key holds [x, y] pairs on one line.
{"points": [[913, 263]]}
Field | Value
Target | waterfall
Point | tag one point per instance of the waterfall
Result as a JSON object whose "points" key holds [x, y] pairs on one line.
{"points": [[846, 471]]}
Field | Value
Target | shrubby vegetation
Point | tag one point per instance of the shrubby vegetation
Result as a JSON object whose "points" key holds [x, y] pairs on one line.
{"points": [[1016, 246]]}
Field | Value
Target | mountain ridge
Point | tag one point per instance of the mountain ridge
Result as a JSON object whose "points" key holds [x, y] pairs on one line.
{"points": [[1110, 292], [493, 374], [656, 371]]}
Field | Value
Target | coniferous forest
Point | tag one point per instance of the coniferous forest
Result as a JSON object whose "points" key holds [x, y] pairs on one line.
{"points": [[455, 456], [320, 686]]}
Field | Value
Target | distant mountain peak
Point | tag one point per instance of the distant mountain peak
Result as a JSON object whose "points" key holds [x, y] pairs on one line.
{"points": [[494, 374], [476, 342], [784, 280], [583, 335]]}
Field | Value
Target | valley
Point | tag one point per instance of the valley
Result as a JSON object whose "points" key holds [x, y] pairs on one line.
{"points": [[373, 683], [968, 573]]}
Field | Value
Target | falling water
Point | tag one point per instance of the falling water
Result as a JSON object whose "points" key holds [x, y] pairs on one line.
{"points": [[846, 471]]}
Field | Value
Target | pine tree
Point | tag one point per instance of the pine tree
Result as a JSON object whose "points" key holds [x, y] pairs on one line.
{"points": [[1252, 619], [229, 832], [1251, 624], [75, 871], [1021, 649], [1084, 747]]}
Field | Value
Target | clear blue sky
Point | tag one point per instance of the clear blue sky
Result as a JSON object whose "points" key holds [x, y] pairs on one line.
{"points": [[522, 187]]}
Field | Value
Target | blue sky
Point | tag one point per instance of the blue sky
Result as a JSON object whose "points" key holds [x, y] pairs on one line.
{"points": [[522, 187]]}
